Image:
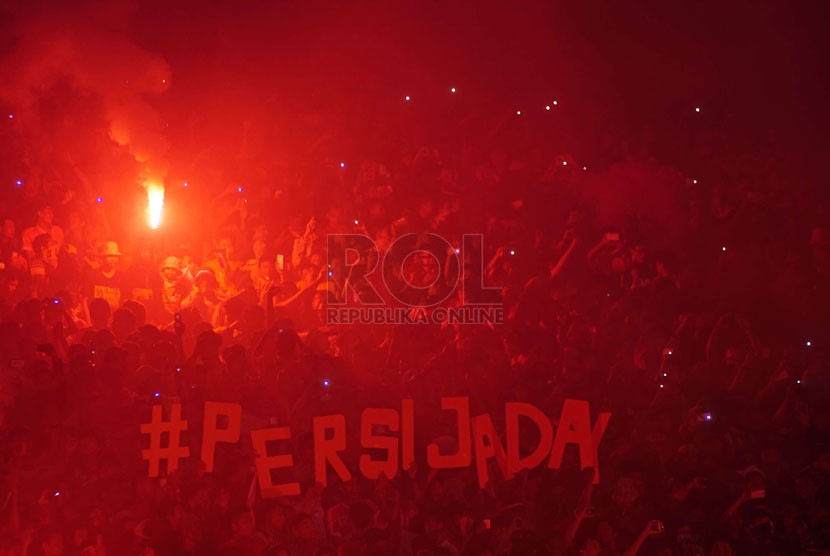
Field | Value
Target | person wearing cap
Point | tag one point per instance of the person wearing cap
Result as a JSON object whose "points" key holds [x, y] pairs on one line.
{"points": [[173, 288], [108, 282]]}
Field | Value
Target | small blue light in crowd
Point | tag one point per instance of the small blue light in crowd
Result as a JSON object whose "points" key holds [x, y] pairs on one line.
{"points": [[99, 200], [18, 183], [157, 394], [326, 383], [808, 343], [239, 189]]}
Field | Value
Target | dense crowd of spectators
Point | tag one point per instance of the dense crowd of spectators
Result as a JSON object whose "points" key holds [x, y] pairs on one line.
{"points": [[702, 330]]}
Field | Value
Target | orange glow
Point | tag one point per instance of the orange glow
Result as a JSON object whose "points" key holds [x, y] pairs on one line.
{"points": [[155, 203]]}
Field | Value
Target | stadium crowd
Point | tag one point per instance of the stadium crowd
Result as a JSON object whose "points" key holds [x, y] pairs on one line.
{"points": [[698, 321]]}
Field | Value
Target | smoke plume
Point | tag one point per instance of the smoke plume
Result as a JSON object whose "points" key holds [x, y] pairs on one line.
{"points": [[100, 63]]}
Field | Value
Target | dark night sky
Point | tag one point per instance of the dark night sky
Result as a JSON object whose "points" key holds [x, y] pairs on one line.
{"points": [[617, 66]]}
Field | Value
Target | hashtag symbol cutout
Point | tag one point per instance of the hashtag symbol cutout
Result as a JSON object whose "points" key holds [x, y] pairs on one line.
{"points": [[156, 429]]}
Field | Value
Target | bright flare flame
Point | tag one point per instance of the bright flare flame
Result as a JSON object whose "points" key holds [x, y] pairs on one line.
{"points": [[155, 203]]}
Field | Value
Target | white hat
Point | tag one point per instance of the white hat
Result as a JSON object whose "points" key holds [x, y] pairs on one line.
{"points": [[110, 249], [172, 262]]}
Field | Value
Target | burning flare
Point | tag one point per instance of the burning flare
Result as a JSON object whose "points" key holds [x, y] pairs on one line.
{"points": [[155, 203]]}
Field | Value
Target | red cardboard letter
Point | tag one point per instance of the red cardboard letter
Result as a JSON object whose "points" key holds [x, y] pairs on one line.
{"points": [[325, 450], [372, 469], [265, 463], [513, 411], [487, 446], [575, 428], [596, 436], [464, 456], [211, 433]]}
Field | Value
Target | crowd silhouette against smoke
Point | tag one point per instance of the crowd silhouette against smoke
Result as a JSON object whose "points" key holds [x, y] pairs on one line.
{"points": [[645, 191]]}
